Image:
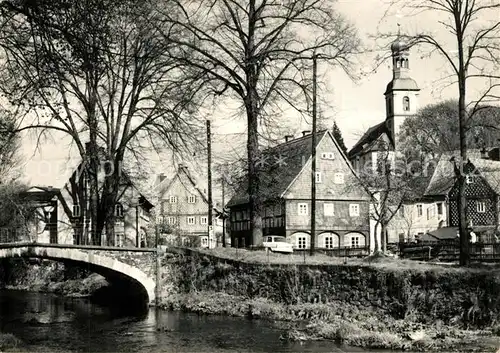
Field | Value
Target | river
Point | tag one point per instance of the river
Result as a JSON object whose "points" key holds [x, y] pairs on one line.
{"points": [[50, 323]]}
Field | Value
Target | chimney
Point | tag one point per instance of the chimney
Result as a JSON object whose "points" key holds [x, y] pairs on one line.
{"points": [[305, 132], [182, 166], [288, 137]]}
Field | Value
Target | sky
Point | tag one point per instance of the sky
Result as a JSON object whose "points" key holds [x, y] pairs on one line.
{"points": [[355, 106]]}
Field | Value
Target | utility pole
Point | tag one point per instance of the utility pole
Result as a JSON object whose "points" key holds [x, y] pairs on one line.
{"points": [[209, 173], [313, 166], [223, 214]]}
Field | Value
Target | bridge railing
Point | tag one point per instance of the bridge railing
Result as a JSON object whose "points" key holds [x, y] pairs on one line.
{"points": [[14, 235]]}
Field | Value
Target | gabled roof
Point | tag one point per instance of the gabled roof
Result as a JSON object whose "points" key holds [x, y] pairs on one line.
{"points": [[490, 170], [443, 178], [280, 166], [445, 233], [183, 171], [370, 137], [39, 194]]}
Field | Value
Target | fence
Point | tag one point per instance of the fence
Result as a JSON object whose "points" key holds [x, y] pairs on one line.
{"points": [[450, 252], [344, 251]]}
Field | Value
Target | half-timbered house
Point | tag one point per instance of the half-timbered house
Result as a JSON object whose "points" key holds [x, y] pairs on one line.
{"points": [[342, 205]]}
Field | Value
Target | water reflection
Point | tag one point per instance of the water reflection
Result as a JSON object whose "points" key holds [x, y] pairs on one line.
{"points": [[50, 323]]}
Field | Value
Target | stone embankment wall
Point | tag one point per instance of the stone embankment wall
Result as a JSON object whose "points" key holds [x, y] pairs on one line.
{"points": [[468, 297]]}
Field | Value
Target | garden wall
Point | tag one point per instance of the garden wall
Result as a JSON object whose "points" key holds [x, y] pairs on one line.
{"points": [[470, 297]]}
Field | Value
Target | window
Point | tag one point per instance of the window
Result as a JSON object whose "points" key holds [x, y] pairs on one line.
{"points": [[171, 220], [173, 199], [303, 209], [119, 239], [481, 206], [338, 178], [354, 210], [469, 179], [277, 209], [118, 210], [419, 211], [318, 177], [354, 242], [203, 220], [191, 199], [406, 104], [328, 209], [329, 242], [440, 209], [76, 211], [327, 155], [190, 220], [204, 242], [301, 242]]}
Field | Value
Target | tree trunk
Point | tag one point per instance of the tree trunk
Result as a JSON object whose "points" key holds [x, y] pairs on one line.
{"points": [[461, 199], [375, 238], [93, 170], [383, 236], [254, 182], [252, 109]]}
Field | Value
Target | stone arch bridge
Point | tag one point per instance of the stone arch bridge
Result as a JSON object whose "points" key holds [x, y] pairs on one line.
{"points": [[136, 270]]}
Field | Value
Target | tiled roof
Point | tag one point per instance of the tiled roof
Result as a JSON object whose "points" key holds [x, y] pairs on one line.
{"points": [[490, 170], [370, 137], [277, 174], [184, 171], [281, 165], [443, 177]]}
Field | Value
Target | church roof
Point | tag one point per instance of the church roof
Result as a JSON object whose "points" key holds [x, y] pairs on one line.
{"points": [[402, 84], [367, 141]]}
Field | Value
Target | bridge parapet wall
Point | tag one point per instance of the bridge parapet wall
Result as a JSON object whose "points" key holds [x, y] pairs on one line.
{"points": [[137, 264]]}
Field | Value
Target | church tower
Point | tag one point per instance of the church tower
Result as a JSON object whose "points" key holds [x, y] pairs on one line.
{"points": [[401, 94]]}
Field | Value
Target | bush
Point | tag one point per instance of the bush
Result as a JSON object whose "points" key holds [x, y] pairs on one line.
{"points": [[8, 341]]}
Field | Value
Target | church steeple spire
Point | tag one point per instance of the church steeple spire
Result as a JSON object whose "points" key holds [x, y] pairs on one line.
{"points": [[402, 92], [400, 56]]}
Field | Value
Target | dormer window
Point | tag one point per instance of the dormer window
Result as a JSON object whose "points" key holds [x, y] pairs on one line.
{"points": [[192, 199], [406, 104]]}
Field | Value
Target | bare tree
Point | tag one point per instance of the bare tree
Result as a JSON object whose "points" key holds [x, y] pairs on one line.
{"points": [[258, 52], [390, 185], [99, 72], [474, 27], [432, 131]]}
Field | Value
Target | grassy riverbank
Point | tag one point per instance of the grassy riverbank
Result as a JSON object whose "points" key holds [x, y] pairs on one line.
{"points": [[339, 322], [375, 303], [8, 342]]}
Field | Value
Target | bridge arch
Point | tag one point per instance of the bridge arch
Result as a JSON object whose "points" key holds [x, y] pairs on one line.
{"points": [[113, 270]]}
